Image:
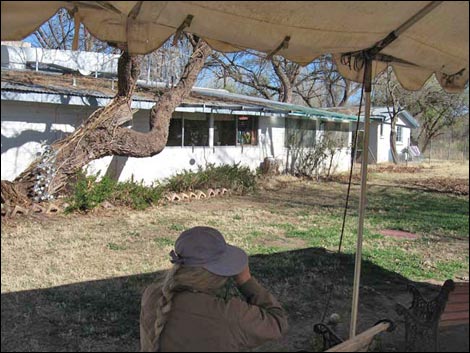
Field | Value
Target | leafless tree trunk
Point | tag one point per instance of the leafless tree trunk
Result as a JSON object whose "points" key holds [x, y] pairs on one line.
{"points": [[393, 140], [393, 107], [287, 76], [102, 133]]}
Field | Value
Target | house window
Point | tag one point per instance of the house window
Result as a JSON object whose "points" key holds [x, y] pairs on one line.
{"points": [[196, 130], [225, 130], [399, 134], [247, 129], [381, 127], [232, 130], [338, 132], [175, 132], [300, 132]]}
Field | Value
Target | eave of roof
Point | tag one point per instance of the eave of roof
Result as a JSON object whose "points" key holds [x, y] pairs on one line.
{"points": [[95, 91]]}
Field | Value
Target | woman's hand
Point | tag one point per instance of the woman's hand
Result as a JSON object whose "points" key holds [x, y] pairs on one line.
{"points": [[243, 276]]}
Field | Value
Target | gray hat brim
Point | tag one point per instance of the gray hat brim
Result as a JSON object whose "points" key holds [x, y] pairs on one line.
{"points": [[230, 264]]}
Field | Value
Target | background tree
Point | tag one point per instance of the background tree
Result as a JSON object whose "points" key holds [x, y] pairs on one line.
{"points": [[316, 85], [102, 133], [435, 110], [389, 93], [59, 31], [163, 65]]}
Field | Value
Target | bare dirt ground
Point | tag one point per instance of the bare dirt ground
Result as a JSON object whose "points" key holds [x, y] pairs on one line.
{"points": [[73, 283]]}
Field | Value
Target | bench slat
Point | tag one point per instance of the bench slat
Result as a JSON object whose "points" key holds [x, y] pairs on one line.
{"points": [[453, 307], [458, 298], [361, 341], [461, 284], [460, 289], [454, 316], [453, 322]]}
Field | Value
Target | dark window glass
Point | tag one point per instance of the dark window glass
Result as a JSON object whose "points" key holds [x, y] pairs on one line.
{"points": [[399, 134], [300, 132], [196, 130], [225, 132], [175, 133], [337, 131]]}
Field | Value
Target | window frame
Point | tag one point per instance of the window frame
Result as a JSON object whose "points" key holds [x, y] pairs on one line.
{"points": [[399, 133]]}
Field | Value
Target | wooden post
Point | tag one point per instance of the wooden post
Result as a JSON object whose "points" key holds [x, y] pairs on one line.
{"points": [[361, 342]]}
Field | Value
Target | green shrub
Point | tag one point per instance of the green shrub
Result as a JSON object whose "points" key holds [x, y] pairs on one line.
{"points": [[136, 195], [238, 178], [88, 192]]}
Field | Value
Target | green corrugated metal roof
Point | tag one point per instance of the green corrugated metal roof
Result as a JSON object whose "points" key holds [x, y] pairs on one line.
{"points": [[287, 108]]}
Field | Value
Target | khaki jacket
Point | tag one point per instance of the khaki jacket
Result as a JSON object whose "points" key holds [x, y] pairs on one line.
{"points": [[200, 322]]}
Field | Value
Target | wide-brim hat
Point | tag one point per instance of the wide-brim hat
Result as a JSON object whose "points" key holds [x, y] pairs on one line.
{"points": [[206, 247]]}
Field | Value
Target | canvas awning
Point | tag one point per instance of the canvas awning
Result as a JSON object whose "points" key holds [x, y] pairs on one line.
{"points": [[301, 31]]}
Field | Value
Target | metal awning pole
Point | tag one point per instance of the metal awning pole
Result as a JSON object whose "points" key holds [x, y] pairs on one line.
{"points": [[368, 55], [362, 203]]}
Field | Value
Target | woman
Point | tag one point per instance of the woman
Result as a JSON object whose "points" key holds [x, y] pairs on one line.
{"points": [[191, 310]]}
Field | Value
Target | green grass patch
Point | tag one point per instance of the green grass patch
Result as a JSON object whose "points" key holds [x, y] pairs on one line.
{"points": [[419, 212], [258, 249], [164, 242], [395, 259], [116, 247], [448, 269], [177, 227], [255, 234]]}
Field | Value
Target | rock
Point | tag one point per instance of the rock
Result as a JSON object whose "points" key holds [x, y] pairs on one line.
{"points": [[200, 194], [107, 205], [52, 208], [19, 210], [210, 193], [175, 197], [37, 208]]}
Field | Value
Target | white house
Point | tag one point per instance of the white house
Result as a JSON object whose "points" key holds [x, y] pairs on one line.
{"points": [[379, 142], [380, 136], [42, 101]]}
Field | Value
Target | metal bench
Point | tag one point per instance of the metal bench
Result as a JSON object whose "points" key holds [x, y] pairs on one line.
{"points": [[424, 317]]}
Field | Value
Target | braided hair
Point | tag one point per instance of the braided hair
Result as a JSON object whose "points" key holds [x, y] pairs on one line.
{"points": [[180, 278]]}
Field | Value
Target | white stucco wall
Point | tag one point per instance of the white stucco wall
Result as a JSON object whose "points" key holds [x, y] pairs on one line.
{"points": [[25, 125], [383, 141], [173, 160], [272, 133]]}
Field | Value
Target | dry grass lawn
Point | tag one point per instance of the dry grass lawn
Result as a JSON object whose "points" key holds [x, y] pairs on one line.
{"points": [[73, 282]]}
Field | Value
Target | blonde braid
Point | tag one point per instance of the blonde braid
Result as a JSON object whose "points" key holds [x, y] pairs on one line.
{"points": [[180, 278], [164, 304]]}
